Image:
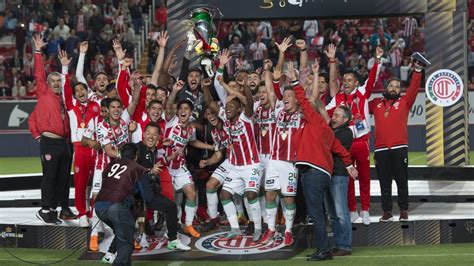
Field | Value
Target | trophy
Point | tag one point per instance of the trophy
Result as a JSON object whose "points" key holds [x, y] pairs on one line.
{"points": [[201, 36]]}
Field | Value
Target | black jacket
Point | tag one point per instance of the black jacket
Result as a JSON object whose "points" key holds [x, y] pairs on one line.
{"points": [[147, 158], [344, 135]]}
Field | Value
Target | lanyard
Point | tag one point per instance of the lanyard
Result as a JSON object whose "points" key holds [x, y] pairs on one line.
{"points": [[354, 99]]}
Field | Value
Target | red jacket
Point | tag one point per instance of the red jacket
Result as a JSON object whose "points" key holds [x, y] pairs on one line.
{"points": [[51, 115], [391, 130], [315, 140]]}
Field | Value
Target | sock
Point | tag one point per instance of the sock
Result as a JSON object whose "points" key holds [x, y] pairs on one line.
{"points": [[262, 201], [271, 210], [239, 205], [289, 212], [256, 213], [247, 207], [190, 210], [229, 209], [212, 202]]}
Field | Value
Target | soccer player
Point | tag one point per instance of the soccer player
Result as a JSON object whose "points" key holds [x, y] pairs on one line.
{"points": [[245, 164], [80, 111], [178, 134], [101, 80], [112, 132], [391, 146], [281, 175], [357, 98], [221, 141]]}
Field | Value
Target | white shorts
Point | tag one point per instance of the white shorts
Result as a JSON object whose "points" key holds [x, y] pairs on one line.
{"points": [[281, 175], [264, 159], [242, 179], [222, 171], [181, 177], [96, 182]]}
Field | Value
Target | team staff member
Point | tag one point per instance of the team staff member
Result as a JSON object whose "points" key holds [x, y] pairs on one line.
{"points": [[356, 98], [391, 146], [148, 156], [115, 200], [80, 111], [52, 125], [315, 142]]}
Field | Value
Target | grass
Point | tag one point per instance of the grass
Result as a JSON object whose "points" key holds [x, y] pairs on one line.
{"points": [[23, 165], [446, 254]]}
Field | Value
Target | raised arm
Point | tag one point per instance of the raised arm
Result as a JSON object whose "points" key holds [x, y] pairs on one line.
{"points": [[276, 82], [248, 98], [162, 40], [135, 99], [40, 75], [269, 83], [80, 62], [206, 84], [301, 44], [66, 84], [314, 85], [309, 113], [123, 81], [224, 58], [282, 48], [169, 112], [415, 83], [370, 83], [331, 54]]}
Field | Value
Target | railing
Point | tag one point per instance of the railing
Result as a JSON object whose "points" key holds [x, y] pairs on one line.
{"points": [[140, 43]]}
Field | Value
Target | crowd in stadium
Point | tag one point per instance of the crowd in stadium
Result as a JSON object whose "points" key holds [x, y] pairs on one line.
{"points": [[278, 134]]}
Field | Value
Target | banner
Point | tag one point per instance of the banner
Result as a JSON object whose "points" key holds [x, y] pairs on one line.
{"points": [[281, 9], [14, 116]]}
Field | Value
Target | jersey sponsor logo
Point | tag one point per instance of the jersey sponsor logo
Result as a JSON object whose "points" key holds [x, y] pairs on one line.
{"points": [[444, 87], [178, 139], [214, 244]]}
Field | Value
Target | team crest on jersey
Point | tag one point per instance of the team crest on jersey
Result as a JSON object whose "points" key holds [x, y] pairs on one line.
{"points": [[214, 244], [158, 245], [47, 157], [95, 109]]}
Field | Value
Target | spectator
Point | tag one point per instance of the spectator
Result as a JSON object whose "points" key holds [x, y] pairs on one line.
{"points": [[410, 24], [30, 90], [61, 30], [259, 52], [71, 43], [264, 28], [380, 38], [311, 29], [161, 15], [417, 42], [80, 24], [96, 22], [396, 55], [19, 91], [136, 15], [20, 37]]}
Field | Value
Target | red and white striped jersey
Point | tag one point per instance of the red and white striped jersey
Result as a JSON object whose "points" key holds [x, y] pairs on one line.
{"points": [[179, 136], [79, 114], [116, 136], [243, 147], [287, 124], [265, 123], [91, 133]]}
